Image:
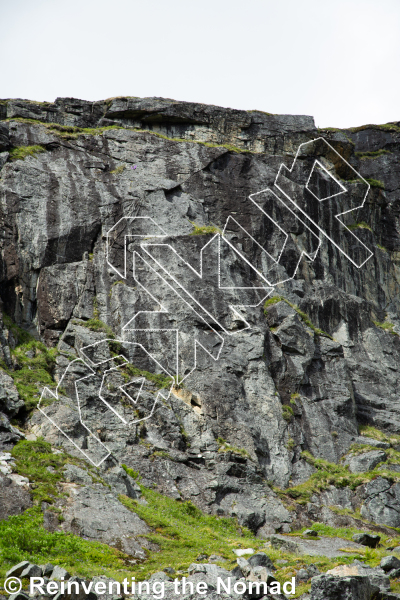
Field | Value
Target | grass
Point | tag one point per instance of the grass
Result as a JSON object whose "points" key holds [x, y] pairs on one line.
{"points": [[204, 229], [376, 183], [287, 412], [118, 170], [382, 248], [21, 152], [33, 460], [97, 325], [159, 380], [386, 326], [372, 432], [23, 537], [34, 373], [375, 154], [303, 316], [328, 474], [225, 446], [360, 225], [385, 127], [182, 532], [229, 147]]}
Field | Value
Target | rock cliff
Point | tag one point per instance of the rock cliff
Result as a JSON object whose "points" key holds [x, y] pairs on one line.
{"points": [[129, 229]]}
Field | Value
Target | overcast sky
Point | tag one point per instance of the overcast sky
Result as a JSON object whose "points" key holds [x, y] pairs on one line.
{"points": [[338, 61]]}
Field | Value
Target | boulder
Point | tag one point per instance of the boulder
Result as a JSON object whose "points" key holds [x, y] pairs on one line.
{"points": [[59, 573], [261, 560], [366, 539], [10, 402], [16, 570], [367, 461], [31, 570], [329, 587], [389, 562]]}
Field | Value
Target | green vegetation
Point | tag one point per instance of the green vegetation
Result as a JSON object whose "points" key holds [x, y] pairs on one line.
{"points": [[182, 532], [69, 132], [36, 363], [360, 225], [371, 432], [375, 154], [260, 111], [160, 381], [96, 325], [118, 170], [204, 229], [23, 537], [229, 147], [225, 446], [287, 412], [386, 326], [328, 474], [382, 248], [36, 461], [385, 127], [303, 316], [21, 152], [376, 183], [131, 472], [294, 397]]}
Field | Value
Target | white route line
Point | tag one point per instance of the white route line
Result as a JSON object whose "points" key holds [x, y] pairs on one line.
{"points": [[283, 166], [162, 234]]}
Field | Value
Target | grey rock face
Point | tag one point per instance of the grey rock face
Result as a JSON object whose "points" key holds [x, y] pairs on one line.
{"points": [[10, 402], [382, 502], [95, 514], [366, 462], [14, 498], [31, 571], [278, 388]]}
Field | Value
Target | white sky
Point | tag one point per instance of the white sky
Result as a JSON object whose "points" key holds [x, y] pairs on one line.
{"points": [[336, 60]]}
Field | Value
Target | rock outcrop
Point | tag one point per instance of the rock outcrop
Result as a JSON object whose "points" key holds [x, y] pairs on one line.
{"points": [[85, 188]]}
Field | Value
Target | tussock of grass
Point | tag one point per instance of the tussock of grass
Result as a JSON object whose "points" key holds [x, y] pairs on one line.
{"points": [[96, 325], [386, 326], [225, 446], [160, 381], [375, 154], [304, 317], [287, 412], [361, 225], [372, 432], [118, 170], [204, 229], [385, 127], [21, 152]]}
